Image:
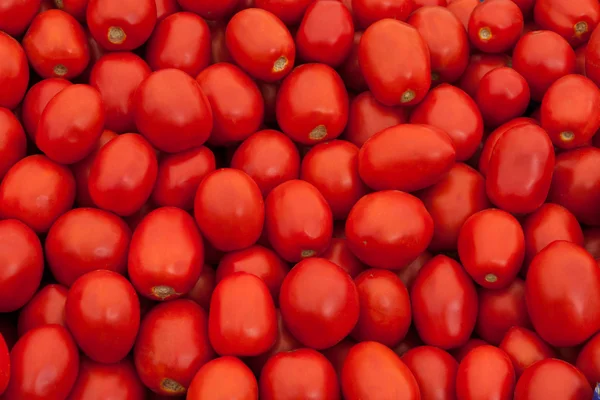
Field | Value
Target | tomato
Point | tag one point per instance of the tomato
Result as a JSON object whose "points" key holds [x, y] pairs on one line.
{"points": [[46, 307], [289, 11], [350, 70], [339, 254], [503, 94], [236, 102], [269, 158], [408, 274], [367, 12], [209, 9], [588, 361], [123, 174], [47, 374], [164, 8], [167, 367], [388, 229], [13, 143], [461, 352], [14, 71], [524, 348], [395, 79], [204, 287], [223, 378], [565, 277], [591, 241], [56, 45], [4, 365], [372, 371], [462, 9], [117, 76], [36, 100], [552, 378], [573, 20], [367, 116], [520, 169], [495, 26], [435, 371], [326, 33], [16, 15], [485, 373], [592, 57], [479, 65], [337, 355], [444, 303], [97, 381]]}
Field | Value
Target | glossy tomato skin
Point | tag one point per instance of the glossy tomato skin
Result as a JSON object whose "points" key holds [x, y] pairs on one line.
{"points": [[408, 274], [14, 71], [339, 253], [167, 367], [15, 15], [503, 94], [164, 8], [210, 9], [123, 174], [444, 318], [329, 314], [524, 347], [395, 80], [36, 191], [46, 307], [388, 229], [117, 380], [479, 65], [486, 372], [592, 57], [36, 100], [435, 372], [462, 9], [495, 26], [223, 378], [56, 45], [588, 360], [4, 365], [48, 374], [267, 54], [13, 143], [574, 21], [76, 8], [367, 12], [289, 11], [461, 352], [552, 378], [117, 76], [166, 254]]}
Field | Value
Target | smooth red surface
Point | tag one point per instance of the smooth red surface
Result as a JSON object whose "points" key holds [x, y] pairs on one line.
{"points": [[14, 70], [486, 372], [13, 143], [223, 378], [525, 347], [495, 26], [552, 377], [95, 381], [37, 98], [435, 372], [46, 307]]}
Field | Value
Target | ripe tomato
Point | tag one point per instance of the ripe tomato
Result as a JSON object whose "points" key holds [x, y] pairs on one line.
{"points": [[444, 303], [462, 9], [14, 71], [164, 8], [4, 365], [13, 143], [337, 355], [479, 66], [16, 15], [36, 191], [204, 287], [350, 70], [76, 8], [97, 381], [236, 102], [368, 12], [329, 314], [588, 360], [167, 367], [486, 372], [503, 94], [524, 348], [495, 26], [461, 352], [552, 378], [47, 374], [408, 274], [46, 307], [223, 378], [123, 174], [339, 254], [435, 371], [56, 45], [289, 11], [372, 371], [36, 100], [210, 9], [573, 20], [592, 57]]}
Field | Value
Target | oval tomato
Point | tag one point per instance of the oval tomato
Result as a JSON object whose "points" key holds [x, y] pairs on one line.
{"points": [[223, 378], [289, 11], [96, 380], [36, 100], [573, 20], [524, 348], [435, 371], [13, 143], [503, 94], [368, 12], [495, 26], [552, 378], [486, 372], [14, 71], [47, 307], [462, 9], [16, 15]]}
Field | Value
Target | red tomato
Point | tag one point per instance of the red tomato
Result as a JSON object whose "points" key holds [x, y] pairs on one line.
{"points": [[223, 378], [479, 65], [16, 15], [495, 26], [389, 159], [388, 229], [573, 20], [269, 158], [97, 381], [123, 174], [324, 318], [56, 45], [164, 8], [36, 100], [289, 11], [591, 241], [564, 277], [36, 191], [337, 355], [13, 143], [167, 367], [268, 53], [552, 378], [210, 9], [45, 308], [339, 253], [592, 57], [368, 12], [444, 303], [462, 10], [236, 102], [4, 365], [372, 372], [408, 274], [435, 372], [503, 94], [485, 373], [524, 348], [350, 70], [393, 78], [204, 287], [117, 77], [461, 352], [588, 360], [14, 70]]}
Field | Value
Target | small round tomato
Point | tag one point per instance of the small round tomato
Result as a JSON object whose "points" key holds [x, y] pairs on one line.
{"points": [[486, 372], [388, 229], [13, 143], [324, 318], [16, 15], [269, 157], [479, 66], [572, 19], [373, 371], [235, 100], [223, 378], [393, 78], [552, 378], [36, 100], [462, 9], [339, 254], [14, 71], [408, 274], [588, 360], [350, 69], [36, 191], [56, 45], [289, 11], [4, 365], [435, 371], [210, 9], [368, 12], [45, 308], [97, 381], [117, 76], [503, 94], [495, 26], [167, 367], [444, 303], [123, 174], [524, 348]]}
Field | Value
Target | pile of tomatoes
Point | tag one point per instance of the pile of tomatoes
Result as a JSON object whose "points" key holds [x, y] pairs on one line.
{"points": [[299, 199]]}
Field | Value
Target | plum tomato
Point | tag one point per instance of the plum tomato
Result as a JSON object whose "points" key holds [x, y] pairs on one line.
{"points": [[552, 378], [388, 229], [503, 94], [389, 159], [117, 76], [210, 9], [16, 15], [36, 100], [302, 373], [447, 42], [236, 102], [96, 381], [289, 11], [223, 378], [588, 360], [13, 142], [36, 191], [14, 71], [395, 79], [350, 69], [166, 254], [329, 314], [103, 315], [524, 347], [373, 371], [367, 12], [592, 57], [486, 372], [495, 26], [204, 287], [461, 352], [444, 303], [56, 45], [179, 176], [76, 8], [339, 254], [123, 174], [268, 53], [435, 371], [167, 367], [4, 365], [164, 8], [408, 274], [591, 241], [46, 307], [574, 20], [462, 9], [520, 169], [23, 264], [182, 41], [479, 65], [269, 157]]}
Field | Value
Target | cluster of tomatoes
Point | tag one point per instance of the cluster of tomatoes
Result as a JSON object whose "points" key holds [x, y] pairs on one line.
{"points": [[299, 199]]}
